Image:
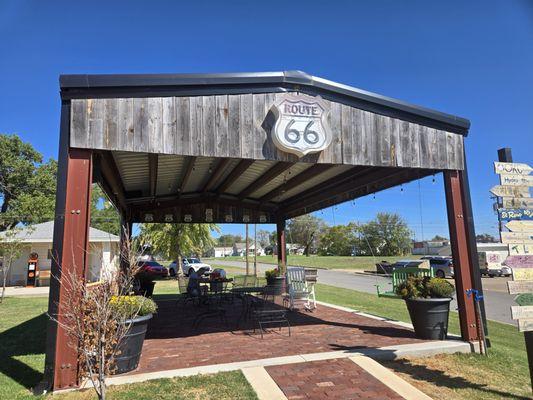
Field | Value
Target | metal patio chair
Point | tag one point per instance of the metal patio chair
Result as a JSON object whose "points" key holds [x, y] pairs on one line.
{"points": [[266, 313]]}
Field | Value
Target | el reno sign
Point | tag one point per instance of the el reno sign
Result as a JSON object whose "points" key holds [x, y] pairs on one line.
{"points": [[301, 124]]}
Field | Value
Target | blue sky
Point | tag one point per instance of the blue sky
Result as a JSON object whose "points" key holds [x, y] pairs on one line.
{"points": [[473, 59]]}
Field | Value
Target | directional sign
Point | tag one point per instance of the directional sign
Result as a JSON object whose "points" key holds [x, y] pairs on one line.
{"points": [[517, 287], [510, 191], [525, 325], [518, 312], [520, 226], [522, 274], [508, 214], [520, 249], [516, 202], [516, 180], [512, 168], [519, 261], [524, 299], [517, 237]]}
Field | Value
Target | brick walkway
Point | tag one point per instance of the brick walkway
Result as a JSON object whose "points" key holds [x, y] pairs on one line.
{"points": [[171, 342], [340, 379]]}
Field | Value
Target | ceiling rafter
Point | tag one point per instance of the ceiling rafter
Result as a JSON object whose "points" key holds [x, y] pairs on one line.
{"points": [[153, 160], [268, 176], [241, 167], [216, 174], [189, 162]]}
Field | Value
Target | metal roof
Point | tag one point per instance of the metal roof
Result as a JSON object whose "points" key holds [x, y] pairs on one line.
{"points": [[152, 85], [43, 233]]}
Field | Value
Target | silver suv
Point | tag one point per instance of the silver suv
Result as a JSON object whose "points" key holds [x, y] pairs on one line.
{"points": [[442, 266]]}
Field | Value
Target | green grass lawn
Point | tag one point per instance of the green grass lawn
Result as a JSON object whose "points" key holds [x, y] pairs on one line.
{"points": [[503, 374], [328, 262], [22, 346]]}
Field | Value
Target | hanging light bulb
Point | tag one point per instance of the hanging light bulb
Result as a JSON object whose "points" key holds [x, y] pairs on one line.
{"points": [[374, 196], [401, 188], [433, 179]]}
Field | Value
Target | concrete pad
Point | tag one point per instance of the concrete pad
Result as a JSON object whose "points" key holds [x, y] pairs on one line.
{"points": [[388, 378], [20, 291], [263, 384]]}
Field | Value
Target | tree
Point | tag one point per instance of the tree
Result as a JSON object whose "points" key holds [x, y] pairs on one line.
{"points": [[486, 238], [305, 230], [438, 238], [104, 215], [264, 238], [387, 235], [27, 185], [339, 240], [11, 246], [178, 240], [228, 240]]}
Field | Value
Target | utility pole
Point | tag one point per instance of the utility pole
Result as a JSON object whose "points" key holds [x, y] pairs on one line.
{"points": [[247, 252], [255, 249]]}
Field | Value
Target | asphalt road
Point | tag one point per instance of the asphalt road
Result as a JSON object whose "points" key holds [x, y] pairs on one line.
{"points": [[497, 300]]}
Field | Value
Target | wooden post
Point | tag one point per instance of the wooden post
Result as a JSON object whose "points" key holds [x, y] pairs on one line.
{"points": [[462, 261], [282, 249], [247, 251], [70, 254]]}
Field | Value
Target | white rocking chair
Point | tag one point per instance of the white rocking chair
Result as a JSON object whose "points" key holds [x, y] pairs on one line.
{"points": [[299, 290]]}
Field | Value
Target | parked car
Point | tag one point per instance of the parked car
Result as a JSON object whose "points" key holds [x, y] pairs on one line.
{"points": [[188, 265], [151, 269], [442, 266]]}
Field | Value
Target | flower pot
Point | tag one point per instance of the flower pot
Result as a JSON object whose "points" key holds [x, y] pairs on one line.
{"points": [[129, 350], [429, 317], [275, 284]]}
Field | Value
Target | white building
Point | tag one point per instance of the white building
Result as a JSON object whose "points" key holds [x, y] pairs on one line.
{"points": [[219, 252], [239, 249], [103, 255]]}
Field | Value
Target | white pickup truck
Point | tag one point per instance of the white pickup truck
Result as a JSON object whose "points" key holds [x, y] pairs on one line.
{"points": [[491, 263]]}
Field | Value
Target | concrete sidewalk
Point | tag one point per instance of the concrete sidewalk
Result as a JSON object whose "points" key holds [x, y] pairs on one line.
{"points": [[20, 291]]}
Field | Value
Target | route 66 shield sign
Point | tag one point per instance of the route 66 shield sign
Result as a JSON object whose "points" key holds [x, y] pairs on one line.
{"points": [[301, 124]]}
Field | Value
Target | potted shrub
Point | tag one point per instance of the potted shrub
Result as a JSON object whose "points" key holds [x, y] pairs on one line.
{"points": [[135, 311], [428, 302], [275, 280]]}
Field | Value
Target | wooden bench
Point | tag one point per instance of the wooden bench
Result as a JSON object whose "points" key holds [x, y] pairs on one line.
{"points": [[400, 275]]}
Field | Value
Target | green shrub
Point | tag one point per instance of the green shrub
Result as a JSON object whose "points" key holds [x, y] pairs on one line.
{"points": [[416, 287], [272, 273], [133, 306]]}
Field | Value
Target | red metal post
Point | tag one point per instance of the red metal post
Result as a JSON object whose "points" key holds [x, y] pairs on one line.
{"points": [[463, 264], [281, 244], [70, 249]]}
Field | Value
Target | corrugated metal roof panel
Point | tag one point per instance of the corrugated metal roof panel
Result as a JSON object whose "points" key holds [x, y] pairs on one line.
{"points": [[255, 170], [133, 169]]}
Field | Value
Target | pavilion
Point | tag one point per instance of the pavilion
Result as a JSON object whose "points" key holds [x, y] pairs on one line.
{"points": [[242, 148]]}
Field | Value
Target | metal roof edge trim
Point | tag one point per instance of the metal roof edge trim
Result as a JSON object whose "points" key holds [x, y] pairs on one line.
{"points": [[118, 81]]}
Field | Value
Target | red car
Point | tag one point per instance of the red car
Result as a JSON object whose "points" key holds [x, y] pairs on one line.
{"points": [[152, 269]]}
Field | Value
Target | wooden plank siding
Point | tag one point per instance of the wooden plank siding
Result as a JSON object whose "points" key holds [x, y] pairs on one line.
{"points": [[238, 126]]}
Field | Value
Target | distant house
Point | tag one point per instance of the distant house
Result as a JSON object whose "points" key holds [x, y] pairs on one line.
{"points": [[103, 254], [239, 249], [219, 252], [292, 248], [438, 248]]}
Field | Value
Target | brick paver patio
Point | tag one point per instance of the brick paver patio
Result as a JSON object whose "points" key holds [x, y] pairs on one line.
{"points": [[172, 343], [337, 379]]}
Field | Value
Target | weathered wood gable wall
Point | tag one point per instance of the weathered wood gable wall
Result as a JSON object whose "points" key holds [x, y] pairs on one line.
{"points": [[238, 126]]}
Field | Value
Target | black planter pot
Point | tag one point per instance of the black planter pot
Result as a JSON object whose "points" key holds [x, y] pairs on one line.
{"points": [[131, 346], [275, 284], [429, 317]]}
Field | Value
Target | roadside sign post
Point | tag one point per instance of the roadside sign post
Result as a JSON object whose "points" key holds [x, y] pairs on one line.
{"points": [[515, 213]]}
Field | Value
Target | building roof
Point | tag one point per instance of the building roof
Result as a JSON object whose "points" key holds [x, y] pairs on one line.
{"points": [[150, 85], [44, 233]]}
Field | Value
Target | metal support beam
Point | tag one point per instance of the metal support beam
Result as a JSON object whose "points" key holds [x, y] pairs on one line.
{"points": [[271, 174], [153, 161], [70, 253], [241, 167], [216, 174], [462, 259], [302, 177], [188, 171], [111, 179]]}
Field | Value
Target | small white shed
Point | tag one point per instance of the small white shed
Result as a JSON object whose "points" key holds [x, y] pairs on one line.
{"points": [[103, 253]]}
